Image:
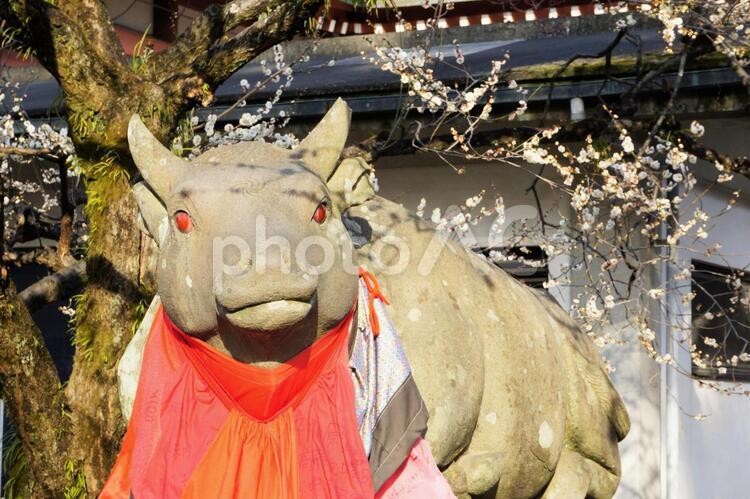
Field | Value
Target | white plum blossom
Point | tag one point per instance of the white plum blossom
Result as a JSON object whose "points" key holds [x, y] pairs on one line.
{"points": [[627, 144], [697, 129]]}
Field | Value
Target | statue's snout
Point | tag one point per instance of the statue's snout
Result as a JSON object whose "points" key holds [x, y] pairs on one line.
{"points": [[266, 301]]}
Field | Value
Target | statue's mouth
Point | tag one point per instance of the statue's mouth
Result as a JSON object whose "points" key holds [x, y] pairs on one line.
{"points": [[270, 316]]}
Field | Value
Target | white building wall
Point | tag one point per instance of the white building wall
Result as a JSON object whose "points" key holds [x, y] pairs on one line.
{"points": [[637, 379], [710, 458], [138, 15], [133, 14]]}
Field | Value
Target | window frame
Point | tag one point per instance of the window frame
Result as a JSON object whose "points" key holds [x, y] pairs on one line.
{"points": [[739, 373]]}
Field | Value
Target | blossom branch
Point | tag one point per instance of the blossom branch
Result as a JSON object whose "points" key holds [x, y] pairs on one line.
{"points": [[606, 52], [740, 165], [31, 152]]}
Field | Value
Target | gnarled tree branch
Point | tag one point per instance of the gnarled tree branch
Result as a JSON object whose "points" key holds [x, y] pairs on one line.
{"points": [[214, 47], [95, 24], [731, 164], [214, 24], [83, 58], [59, 286]]}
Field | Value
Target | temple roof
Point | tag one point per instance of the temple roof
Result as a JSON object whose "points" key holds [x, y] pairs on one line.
{"points": [[536, 51]]}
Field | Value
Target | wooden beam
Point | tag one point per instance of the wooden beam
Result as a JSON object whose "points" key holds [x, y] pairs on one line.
{"points": [[165, 19]]}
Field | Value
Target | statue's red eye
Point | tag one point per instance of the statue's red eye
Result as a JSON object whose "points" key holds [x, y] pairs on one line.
{"points": [[183, 222], [321, 213]]}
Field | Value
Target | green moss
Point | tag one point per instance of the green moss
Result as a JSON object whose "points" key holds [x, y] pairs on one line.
{"points": [[141, 54], [76, 487], [106, 182], [83, 337], [184, 134], [16, 471], [139, 311], [84, 122], [104, 187], [620, 66]]}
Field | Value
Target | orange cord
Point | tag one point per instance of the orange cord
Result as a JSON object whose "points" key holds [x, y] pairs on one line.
{"points": [[373, 290]]}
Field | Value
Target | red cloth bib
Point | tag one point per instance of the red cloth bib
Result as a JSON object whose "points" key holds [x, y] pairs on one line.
{"points": [[206, 425]]}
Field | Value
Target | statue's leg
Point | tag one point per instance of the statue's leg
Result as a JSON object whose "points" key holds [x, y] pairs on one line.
{"points": [[474, 473], [577, 477]]}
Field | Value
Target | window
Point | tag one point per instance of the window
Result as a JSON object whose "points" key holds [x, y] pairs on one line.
{"points": [[528, 264], [720, 322]]}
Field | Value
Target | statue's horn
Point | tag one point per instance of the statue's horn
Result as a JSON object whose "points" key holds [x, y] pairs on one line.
{"points": [[159, 167], [322, 148]]}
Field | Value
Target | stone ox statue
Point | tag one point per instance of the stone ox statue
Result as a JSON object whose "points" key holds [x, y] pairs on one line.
{"points": [[519, 402]]}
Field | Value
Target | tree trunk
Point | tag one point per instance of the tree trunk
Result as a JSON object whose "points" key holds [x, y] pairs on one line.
{"points": [[105, 316], [38, 421]]}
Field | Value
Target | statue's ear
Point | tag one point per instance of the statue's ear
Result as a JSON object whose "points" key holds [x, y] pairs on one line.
{"points": [[351, 183], [153, 219]]}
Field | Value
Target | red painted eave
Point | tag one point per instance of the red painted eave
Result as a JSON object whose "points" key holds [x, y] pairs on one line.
{"points": [[128, 39]]}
